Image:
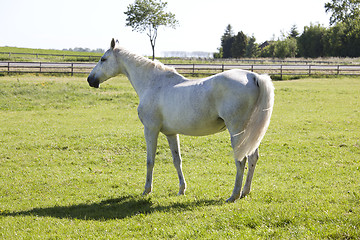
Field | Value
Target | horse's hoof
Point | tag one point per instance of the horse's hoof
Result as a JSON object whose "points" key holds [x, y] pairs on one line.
{"points": [[146, 191], [182, 191], [243, 195], [233, 198], [230, 200]]}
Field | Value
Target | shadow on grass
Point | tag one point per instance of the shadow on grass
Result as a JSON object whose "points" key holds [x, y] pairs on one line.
{"points": [[117, 208]]}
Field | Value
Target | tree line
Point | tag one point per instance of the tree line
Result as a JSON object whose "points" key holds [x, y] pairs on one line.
{"points": [[341, 39], [80, 49]]}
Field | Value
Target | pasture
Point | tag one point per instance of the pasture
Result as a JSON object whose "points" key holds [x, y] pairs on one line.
{"points": [[72, 166]]}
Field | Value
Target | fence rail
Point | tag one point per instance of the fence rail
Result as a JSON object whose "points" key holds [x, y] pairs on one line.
{"points": [[193, 69], [46, 67]]}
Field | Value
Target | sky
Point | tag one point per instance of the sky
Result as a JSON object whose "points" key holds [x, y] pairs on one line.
{"points": [[60, 24]]}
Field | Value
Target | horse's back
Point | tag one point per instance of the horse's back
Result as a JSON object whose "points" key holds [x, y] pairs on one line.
{"points": [[202, 107], [236, 79]]}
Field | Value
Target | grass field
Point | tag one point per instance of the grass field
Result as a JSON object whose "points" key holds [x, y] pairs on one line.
{"points": [[72, 166], [27, 54]]}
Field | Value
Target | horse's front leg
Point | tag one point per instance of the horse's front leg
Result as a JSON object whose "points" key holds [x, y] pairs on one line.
{"points": [[175, 151], [151, 137]]}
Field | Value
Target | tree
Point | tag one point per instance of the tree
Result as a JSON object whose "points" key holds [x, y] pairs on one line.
{"points": [[286, 48], [227, 42], [228, 32], [352, 41], [335, 41], [345, 11], [268, 51], [147, 16], [282, 48], [294, 33], [238, 48], [252, 48], [311, 41], [219, 54]]}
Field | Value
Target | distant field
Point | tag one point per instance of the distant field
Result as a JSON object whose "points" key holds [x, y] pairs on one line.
{"points": [[72, 166], [60, 55], [45, 51]]}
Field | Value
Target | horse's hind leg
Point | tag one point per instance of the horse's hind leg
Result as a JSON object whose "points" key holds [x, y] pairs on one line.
{"points": [[175, 151], [252, 160], [240, 167]]}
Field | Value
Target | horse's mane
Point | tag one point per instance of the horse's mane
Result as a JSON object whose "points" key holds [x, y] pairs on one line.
{"points": [[145, 62]]}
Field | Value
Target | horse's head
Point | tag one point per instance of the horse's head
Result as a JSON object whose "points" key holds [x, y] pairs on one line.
{"points": [[106, 68]]}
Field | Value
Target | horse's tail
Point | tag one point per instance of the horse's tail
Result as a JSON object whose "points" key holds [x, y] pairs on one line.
{"points": [[254, 131]]}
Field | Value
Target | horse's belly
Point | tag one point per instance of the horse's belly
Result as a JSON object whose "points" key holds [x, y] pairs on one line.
{"points": [[194, 128]]}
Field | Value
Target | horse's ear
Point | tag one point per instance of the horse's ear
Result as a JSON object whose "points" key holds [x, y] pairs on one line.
{"points": [[112, 44]]}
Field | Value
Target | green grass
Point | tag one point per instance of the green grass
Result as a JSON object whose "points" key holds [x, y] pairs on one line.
{"points": [[80, 56], [72, 166]]}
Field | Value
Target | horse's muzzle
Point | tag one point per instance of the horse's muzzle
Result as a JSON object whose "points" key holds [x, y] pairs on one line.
{"points": [[93, 82]]}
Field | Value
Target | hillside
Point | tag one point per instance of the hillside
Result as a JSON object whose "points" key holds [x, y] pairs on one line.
{"points": [[31, 54]]}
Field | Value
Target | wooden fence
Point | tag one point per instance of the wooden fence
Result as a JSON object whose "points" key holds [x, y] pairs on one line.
{"points": [[192, 69], [46, 67]]}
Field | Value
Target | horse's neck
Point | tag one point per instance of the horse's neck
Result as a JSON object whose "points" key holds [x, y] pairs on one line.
{"points": [[137, 70]]}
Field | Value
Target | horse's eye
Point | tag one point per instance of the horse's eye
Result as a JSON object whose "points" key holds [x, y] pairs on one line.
{"points": [[103, 59]]}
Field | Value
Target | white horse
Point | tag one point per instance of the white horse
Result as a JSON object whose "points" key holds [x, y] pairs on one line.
{"points": [[238, 100]]}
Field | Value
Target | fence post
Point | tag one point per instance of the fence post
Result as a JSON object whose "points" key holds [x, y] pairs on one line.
{"points": [[338, 70], [72, 69], [193, 70], [281, 72], [222, 67], [252, 67], [309, 70], [8, 67], [40, 66]]}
